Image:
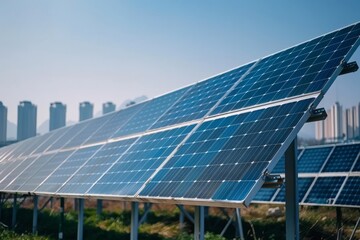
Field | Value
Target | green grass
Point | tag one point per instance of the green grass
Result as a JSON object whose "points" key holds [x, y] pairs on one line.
{"points": [[163, 224]]}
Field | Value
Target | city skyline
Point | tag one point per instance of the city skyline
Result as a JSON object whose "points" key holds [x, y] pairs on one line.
{"points": [[71, 52]]}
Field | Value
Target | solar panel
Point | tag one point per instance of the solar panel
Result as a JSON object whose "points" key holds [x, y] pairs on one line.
{"points": [[210, 142], [38, 175], [322, 188], [302, 69], [342, 159], [227, 153], [303, 186], [137, 164], [96, 166], [313, 159], [325, 190], [201, 98], [67, 168], [350, 193]]}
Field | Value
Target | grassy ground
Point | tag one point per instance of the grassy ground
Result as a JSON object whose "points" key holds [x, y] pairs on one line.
{"points": [[162, 223]]}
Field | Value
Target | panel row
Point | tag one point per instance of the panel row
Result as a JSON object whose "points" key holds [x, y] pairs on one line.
{"points": [[329, 175]]}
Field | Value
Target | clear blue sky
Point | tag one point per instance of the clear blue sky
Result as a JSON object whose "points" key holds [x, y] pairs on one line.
{"points": [[100, 51]]}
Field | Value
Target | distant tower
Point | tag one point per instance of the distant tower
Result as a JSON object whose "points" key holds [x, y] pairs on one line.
{"points": [[3, 123], [26, 125], [108, 107], [336, 120], [320, 130], [86, 111], [57, 115]]}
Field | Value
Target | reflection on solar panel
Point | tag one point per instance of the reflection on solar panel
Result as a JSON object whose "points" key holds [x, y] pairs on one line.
{"points": [[319, 187], [210, 142]]}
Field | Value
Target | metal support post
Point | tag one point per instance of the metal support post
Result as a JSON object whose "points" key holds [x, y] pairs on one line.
{"points": [[291, 186], [62, 219], [147, 208], [1, 203], [181, 220], [76, 204], [99, 207], [134, 221], [355, 228], [338, 223], [13, 223], [35, 214], [199, 226], [239, 224], [80, 232], [187, 215]]}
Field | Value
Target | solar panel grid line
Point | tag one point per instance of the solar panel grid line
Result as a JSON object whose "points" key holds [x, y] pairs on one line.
{"points": [[149, 129], [169, 157], [55, 169], [282, 150], [68, 136], [23, 179], [113, 125], [106, 171], [78, 169], [343, 61], [346, 178], [185, 90], [14, 170]]}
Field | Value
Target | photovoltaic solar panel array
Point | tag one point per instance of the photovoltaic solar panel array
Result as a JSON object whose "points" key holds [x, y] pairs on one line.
{"points": [[205, 144], [328, 176]]}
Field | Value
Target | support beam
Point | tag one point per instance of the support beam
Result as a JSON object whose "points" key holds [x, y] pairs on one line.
{"points": [[199, 226], [62, 219], [134, 221], [14, 210], [181, 220], [147, 208], [80, 232], [99, 207], [239, 224], [291, 186], [338, 223], [45, 204], [187, 215], [355, 228], [35, 215]]}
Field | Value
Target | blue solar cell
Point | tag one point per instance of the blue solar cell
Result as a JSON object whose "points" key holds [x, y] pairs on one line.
{"points": [[357, 165], [13, 169], [201, 98], [66, 169], [265, 194], [85, 133], [350, 194], [116, 122], [299, 70], [96, 166], [303, 186], [139, 162], [280, 166], [325, 190], [55, 135], [40, 173], [223, 151], [313, 159], [342, 158], [142, 121], [30, 169], [70, 133]]}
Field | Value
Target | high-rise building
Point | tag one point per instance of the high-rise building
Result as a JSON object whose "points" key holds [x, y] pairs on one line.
{"points": [[26, 125], [108, 107], [57, 115], [337, 123], [3, 123], [86, 110], [320, 130]]}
